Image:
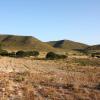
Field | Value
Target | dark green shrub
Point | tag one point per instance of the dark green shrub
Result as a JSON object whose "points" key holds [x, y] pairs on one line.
{"points": [[4, 53], [26, 53], [20, 54], [52, 56]]}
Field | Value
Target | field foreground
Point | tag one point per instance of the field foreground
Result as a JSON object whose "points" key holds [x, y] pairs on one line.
{"points": [[29, 79]]}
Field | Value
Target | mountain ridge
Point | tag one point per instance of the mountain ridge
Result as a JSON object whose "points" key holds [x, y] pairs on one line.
{"points": [[67, 44], [93, 48], [19, 42], [16, 42]]}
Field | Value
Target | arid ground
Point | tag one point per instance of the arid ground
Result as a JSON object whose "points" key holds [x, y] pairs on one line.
{"points": [[31, 79]]}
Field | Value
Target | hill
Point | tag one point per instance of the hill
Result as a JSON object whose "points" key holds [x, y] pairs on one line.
{"points": [[67, 45], [93, 48], [13, 43]]}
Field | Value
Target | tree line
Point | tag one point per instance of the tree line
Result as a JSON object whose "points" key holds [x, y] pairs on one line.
{"points": [[49, 55], [19, 53]]}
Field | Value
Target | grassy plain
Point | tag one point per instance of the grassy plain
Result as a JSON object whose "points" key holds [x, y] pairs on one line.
{"points": [[34, 79]]}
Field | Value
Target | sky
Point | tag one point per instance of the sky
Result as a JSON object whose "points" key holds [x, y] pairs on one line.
{"points": [[47, 20]]}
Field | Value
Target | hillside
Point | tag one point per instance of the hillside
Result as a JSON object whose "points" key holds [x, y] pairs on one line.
{"points": [[93, 48], [12, 42], [67, 45]]}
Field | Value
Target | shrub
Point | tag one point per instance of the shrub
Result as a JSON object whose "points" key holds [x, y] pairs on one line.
{"points": [[27, 53], [35, 53], [4, 53], [12, 54], [32, 53], [52, 56], [20, 54]]}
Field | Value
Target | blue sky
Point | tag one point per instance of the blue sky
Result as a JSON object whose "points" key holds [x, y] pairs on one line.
{"points": [[77, 20]]}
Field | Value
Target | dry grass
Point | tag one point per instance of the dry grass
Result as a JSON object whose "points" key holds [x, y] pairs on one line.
{"points": [[29, 79]]}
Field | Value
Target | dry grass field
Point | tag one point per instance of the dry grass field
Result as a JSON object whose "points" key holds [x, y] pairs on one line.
{"points": [[31, 79]]}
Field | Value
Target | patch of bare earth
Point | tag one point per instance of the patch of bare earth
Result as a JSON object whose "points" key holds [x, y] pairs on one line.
{"points": [[29, 79]]}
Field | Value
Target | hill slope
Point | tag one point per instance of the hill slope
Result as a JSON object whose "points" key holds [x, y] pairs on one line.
{"points": [[93, 48], [67, 45], [12, 42]]}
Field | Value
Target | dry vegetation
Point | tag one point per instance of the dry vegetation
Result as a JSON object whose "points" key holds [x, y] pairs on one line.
{"points": [[69, 79]]}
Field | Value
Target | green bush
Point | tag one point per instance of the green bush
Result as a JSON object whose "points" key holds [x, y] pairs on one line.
{"points": [[52, 56], [20, 54], [4, 53], [26, 53]]}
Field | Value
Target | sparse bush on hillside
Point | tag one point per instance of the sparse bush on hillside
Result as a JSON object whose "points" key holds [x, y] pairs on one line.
{"points": [[52, 56]]}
